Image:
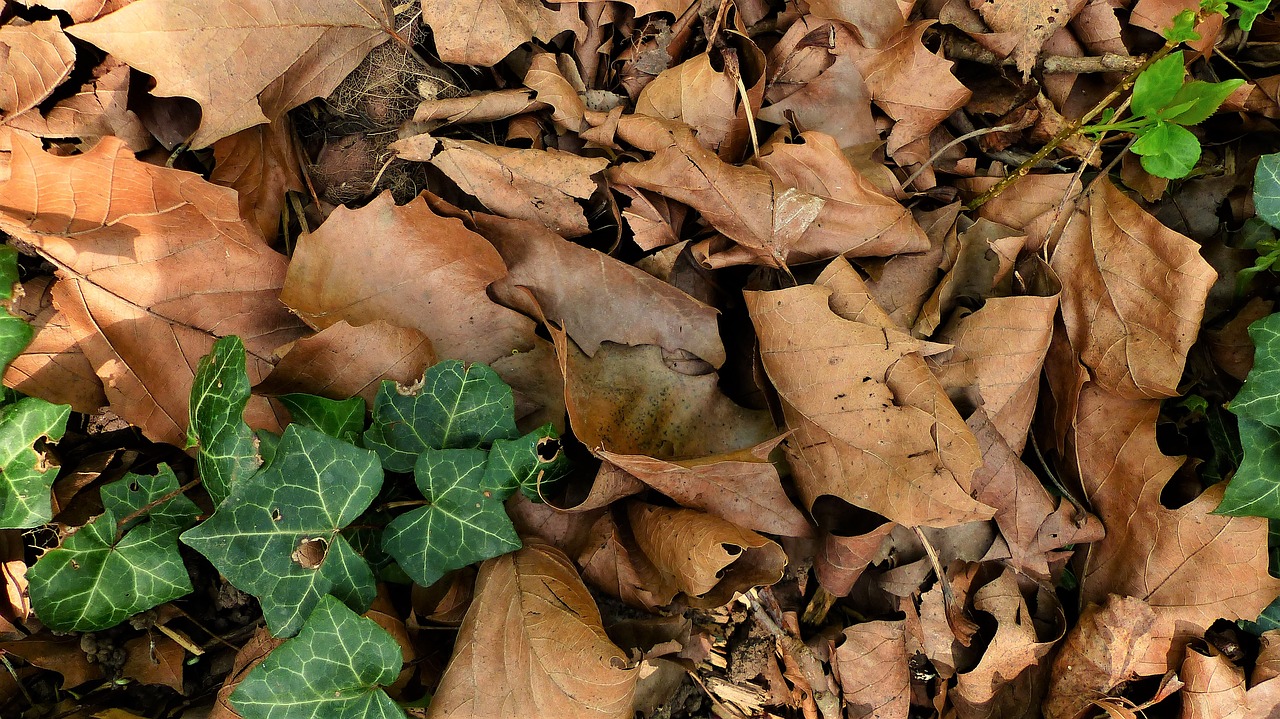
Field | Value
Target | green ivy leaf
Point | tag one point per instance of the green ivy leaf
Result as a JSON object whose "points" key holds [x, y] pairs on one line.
{"points": [[342, 419], [1157, 85], [1266, 189], [457, 406], [277, 536], [15, 334], [219, 393], [464, 522], [533, 463], [98, 578], [1201, 99], [1259, 398], [1254, 491], [1169, 151], [334, 669], [26, 477]]}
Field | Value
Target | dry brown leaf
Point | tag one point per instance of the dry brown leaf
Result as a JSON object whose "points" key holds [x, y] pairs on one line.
{"points": [[984, 258], [654, 220], [154, 659], [1231, 347], [532, 645], [261, 165], [98, 109], [838, 85], [771, 223], [250, 654], [871, 667], [245, 61], [647, 7], [1136, 295], [871, 424], [60, 654], [1213, 686], [548, 77], [343, 361], [874, 22], [1037, 206], [1155, 553], [80, 10], [903, 283], [627, 400], [842, 559], [535, 185], [707, 558], [482, 32], [53, 367], [1102, 651], [476, 107], [614, 563], [1031, 22], [154, 264], [36, 58], [742, 487]]}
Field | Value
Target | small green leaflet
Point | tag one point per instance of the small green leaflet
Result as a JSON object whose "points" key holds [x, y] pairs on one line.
{"points": [[15, 334], [457, 406], [464, 522], [1157, 85], [1266, 189], [219, 393], [98, 578], [26, 477], [334, 669], [1167, 150], [342, 419], [1255, 488], [277, 536], [534, 463]]}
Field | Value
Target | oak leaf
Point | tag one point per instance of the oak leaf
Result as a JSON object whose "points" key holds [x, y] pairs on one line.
{"points": [[245, 61], [871, 666]]}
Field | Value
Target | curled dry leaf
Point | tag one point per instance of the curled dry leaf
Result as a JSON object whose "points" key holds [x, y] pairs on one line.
{"points": [[157, 253], [477, 107], [613, 562], [843, 558], [1136, 295], [281, 53], [705, 557], [875, 22], [871, 666], [261, 164], [871, 425], [1213, 687], [481, 32], [532, 645], [37, 58], [1102, 651]]}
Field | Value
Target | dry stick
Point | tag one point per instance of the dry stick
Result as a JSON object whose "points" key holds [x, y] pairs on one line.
{"points": [[963, 138], [962, 48], [1070, 130], [150, 506], [810, 665]]}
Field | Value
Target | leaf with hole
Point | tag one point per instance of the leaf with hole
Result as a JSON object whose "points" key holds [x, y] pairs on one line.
{"points": [[334, 669], [122, 562], [277, 536], [26, 475], [534, 464]]}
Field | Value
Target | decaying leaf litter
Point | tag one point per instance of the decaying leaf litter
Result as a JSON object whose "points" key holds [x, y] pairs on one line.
{"points": [[844, 441]]}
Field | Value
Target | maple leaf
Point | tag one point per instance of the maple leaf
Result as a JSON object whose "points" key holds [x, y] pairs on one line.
{"points": [[282, 53]]}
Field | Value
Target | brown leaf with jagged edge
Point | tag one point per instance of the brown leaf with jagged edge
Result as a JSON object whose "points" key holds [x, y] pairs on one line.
{"points": [[261, 164], [614, 563], [1036, 206], [98, 109], [1102, 651], [559, 274], [807, 90], [245, 61], [482, 32], [1213, 687], [707, 558], [1035, 526], [871, 667], [742, 487], [772, 224], [1031, 22], [647, 7], [871, 425], [343, 361], [1135, 297], [532, 645], [1155, 553], [536, 185], [154, 264], [53, 367], [36, 57]]}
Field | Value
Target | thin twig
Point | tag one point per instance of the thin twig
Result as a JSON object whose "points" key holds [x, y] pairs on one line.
{"points": [[963, 138], [120, 525]]}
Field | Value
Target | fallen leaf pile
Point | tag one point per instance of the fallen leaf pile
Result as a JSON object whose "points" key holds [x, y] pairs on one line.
{"points": [[842, 446]]}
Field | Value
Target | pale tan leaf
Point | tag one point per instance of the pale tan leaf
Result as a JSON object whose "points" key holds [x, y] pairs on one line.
{"points": [[1213, 686], [482, 32], [871, 666], [38, 58], [98, 109], [1102, 651], [53, 367]]}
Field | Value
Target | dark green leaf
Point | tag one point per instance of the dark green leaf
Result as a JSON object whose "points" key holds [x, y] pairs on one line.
{"points": [[15, 334], [1168, 151], [457, 407], [342, 419], [334, 669], [219, 393], [464, 522], [98, 578], [277, 536], [534, 463], [1157, 85], [1202, 99], [1259, 398], [26, 476], [1266, 189], [1254, 491]]}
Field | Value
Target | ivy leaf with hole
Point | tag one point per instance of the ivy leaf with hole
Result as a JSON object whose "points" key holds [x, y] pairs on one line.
{"points": [[463, 523], [334, 669], [124, 561], [455, 406], [26, 475], [341, 419], [219, 392], [277, 536], [533, 463]]}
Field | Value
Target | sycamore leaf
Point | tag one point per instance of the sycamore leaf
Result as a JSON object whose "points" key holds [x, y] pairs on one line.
{"points": [[26, 475], [245, 61], [277, 535], [15, 334], [219, 393], [334, 669], [548, 657], [38, 58], [463, 523], [456, 406], [78, 586], [341, 419]]}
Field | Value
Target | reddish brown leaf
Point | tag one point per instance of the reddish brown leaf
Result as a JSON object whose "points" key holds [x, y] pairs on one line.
{"points": [[871, 666], [261, 165], [613, 562], [60, 654], [154, 659]]}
